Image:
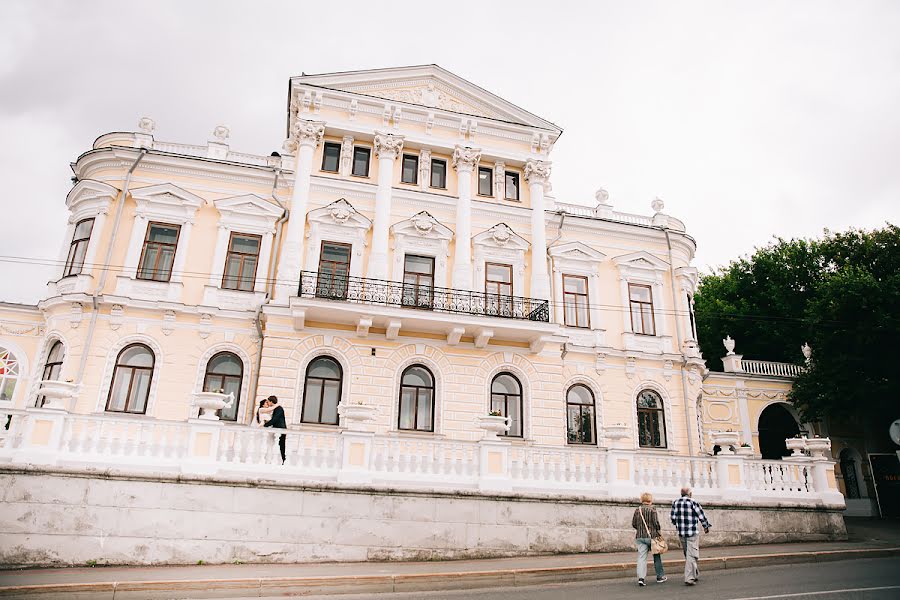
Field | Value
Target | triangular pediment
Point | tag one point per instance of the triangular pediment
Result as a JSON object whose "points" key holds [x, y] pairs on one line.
{"points": [[641, 260], [422, 224], [428, 86], [167, 193], [249, 205], [576, 251], [339, 212], [501, 235], [89, 189]]}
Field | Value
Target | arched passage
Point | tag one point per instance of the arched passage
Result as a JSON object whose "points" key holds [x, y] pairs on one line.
{"points": [[776, 424]]}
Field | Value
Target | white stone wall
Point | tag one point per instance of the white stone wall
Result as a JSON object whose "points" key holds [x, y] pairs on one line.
{"points": [[56, 518]]}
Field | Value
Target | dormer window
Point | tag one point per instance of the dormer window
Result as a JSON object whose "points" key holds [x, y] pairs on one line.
{"points": [[512, 186], [361, 158], [331, 157]]}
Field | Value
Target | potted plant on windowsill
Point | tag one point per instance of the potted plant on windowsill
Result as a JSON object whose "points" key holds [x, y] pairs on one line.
{"points": [[354, 415], [493, 423], [212, 402]]}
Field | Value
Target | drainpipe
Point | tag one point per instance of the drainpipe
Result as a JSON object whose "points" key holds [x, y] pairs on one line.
{"points": [[120, 208], [684, 388], [257, 320], [562, 219]]}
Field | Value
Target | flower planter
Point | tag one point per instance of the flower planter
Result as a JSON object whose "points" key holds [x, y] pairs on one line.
{"points": [[725, 440], [796, 446], [818, 447], [743, 450], [354, 416], [59, 394], [493, 425], [211, 402]]}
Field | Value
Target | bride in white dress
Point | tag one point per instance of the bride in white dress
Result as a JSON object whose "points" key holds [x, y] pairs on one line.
{"points": [[263, 414]]}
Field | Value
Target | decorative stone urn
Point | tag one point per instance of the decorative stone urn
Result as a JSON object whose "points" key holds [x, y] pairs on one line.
{"points": [[818, 447], [59, 394], [354, 416], [615, 433], [725, 440], [743, 450], [211, 402], [796, 445], [493, 425]]}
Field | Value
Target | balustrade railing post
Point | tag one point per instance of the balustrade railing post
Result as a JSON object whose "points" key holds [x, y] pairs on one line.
{"points": [[620, 473], [494, 465], [203, 446], [356, 456], [41, 441], [731, 475]]}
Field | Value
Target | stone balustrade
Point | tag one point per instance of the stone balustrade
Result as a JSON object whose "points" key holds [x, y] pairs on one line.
{"points": [[395, 461]]}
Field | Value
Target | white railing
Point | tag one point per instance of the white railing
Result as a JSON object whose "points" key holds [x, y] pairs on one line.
{"points": [[395, 460], [774, 369], [580, 210]]}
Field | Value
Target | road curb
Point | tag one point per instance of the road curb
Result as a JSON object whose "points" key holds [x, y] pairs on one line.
{"points": [[416, 582]]}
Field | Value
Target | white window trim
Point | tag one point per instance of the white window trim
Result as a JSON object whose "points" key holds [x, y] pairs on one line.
{"points": [[338, 222], [421, 235], [23, 380], [598, 404], [667, 417], [643, 268], [437, 373], [207, 355], [576, 258], [501, 245], [526, 398], [109, 370]]}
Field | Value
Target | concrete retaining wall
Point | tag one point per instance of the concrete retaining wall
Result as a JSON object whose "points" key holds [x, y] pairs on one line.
{"points": [[60, 517]]}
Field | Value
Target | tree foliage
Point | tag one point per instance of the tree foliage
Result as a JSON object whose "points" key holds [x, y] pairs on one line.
{"points": [[840, 294]]}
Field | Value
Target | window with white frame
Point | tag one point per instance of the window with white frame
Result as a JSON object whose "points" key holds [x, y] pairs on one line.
{"points": [[9, 374], [506, 398], [78, 248], [132, 377], [651, 420], [52, 367]]}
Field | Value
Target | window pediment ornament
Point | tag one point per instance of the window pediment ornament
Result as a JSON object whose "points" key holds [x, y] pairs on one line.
{"points": [[641, 266], [576, 251], [422, 224], [89, 197], [166, 201], [388, 145], [248, 210], [340, 213], [501, 235]]}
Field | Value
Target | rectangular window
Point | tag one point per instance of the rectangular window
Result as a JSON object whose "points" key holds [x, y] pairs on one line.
{"points": [[575, 301], [418, 281], [158, 253], [485, 181], [241, 262], [498, 289], [361, 161], [512, 186], [334, 270], [439, 173], [410, 171], [331, 157], [78, 248], [640, 299]]}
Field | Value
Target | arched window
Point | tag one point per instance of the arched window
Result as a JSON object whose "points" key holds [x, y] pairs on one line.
{"points": [[416, 399], [651, 422], [53, 366], [506, 397], [322, 391], [848, 471], [225, 373], [130, 387], [9, 374], [580, 415]]}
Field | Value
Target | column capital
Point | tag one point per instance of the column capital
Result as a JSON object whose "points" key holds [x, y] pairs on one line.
{"points": [[537, 171], [388, 145], [306, 133], [465, 158]]}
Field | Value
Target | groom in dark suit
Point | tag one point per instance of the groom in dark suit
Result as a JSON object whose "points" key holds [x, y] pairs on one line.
{"points": [[277, 421]]}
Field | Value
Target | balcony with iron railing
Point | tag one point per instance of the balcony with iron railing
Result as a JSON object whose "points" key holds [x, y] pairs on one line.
{"points": [[379, 303]]}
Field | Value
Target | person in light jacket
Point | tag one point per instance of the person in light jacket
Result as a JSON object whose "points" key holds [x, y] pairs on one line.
{"points": [[646, 524]]}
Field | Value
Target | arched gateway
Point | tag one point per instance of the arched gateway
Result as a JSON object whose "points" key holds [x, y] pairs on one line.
{"points": [[776, 424]]}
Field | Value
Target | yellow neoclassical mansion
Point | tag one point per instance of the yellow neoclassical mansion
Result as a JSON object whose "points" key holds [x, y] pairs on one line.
{"points": [[402, 278]]}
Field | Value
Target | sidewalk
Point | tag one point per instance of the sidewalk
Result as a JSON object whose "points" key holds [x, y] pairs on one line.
{"points": [[868, 539]]}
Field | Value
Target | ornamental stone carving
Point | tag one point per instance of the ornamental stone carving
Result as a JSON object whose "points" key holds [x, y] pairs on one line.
{"points": [[657, 205], [346, 154], [729, 345], [499, 179], [537, 171], [465, 158], [424, 168], [602, 197], [307, 133], [423, 223], [221, 133], [388, 145], [146, 125], [501, 234], [339, 213]]}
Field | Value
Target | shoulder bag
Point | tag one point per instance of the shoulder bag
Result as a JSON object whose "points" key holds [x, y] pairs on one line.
{"points": [[658, 544]]}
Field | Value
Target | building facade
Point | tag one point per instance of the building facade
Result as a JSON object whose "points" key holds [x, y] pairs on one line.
{"points": [[397, 273]]}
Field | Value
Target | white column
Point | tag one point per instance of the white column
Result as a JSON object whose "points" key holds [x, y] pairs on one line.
{"points": [[218, 262], [181, 252], [464, 161], [537, 173], [138, 232], [262, 267], [744, 413], [387, 148], [305, 136]]}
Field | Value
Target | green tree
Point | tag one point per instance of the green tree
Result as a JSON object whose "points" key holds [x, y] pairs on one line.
{"points": [[840, 294]]}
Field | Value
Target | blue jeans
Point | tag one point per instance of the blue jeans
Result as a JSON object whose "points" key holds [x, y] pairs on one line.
{"points": [[643, 548]]}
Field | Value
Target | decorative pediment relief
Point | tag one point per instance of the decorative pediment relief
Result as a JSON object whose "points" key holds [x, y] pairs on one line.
{"points": [[89, 198], [166, 200], [248, 210], [339, 212], [577, 251], [501, 235], [422, 224], [641, 260]]}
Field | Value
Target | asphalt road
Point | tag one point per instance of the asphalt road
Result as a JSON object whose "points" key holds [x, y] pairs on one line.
{"points": [[868, 579]]}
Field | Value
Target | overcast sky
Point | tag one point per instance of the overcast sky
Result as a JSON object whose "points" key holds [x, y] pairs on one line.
{"points": [[749, 119]]}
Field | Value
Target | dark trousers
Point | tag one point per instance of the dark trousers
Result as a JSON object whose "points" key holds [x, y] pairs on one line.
{"points": [[281, 443]]}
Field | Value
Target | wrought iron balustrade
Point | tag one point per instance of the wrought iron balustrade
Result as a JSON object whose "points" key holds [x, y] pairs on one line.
{"points": [[394, 293]]}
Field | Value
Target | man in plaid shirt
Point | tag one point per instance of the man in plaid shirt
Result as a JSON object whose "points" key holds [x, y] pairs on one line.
{"points": [[686, 514]]}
